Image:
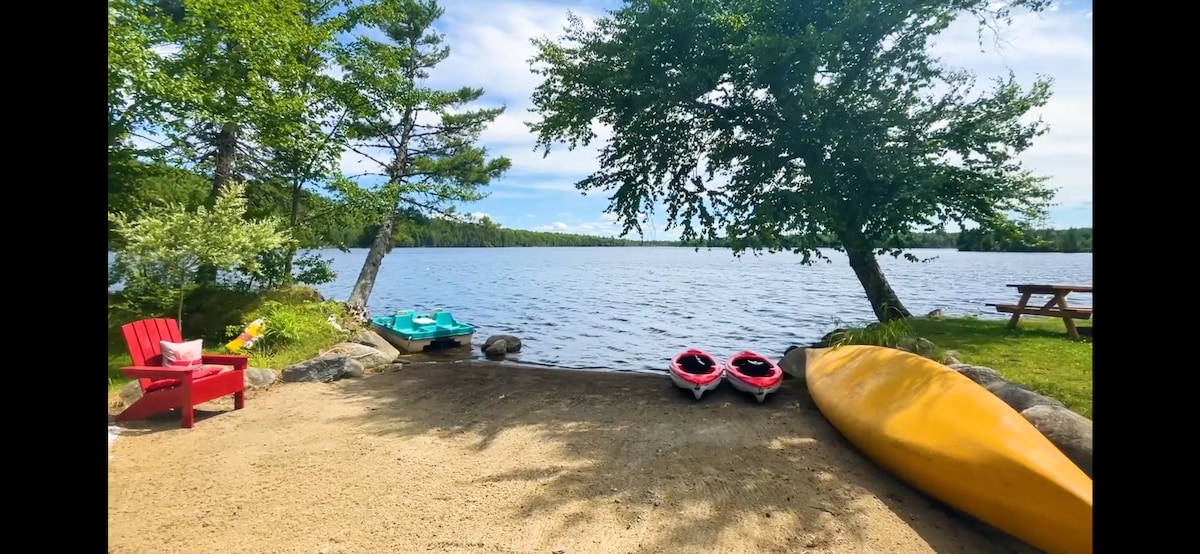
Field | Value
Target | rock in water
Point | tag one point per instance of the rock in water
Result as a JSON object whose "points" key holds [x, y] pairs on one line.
{"points": [[376, 341], [258, 377], [512, 344], [322, 369], [370, 357], [496, 348], [1069, 431]]}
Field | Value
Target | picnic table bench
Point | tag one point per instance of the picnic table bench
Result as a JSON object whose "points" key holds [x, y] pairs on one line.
{"points": [[1056, 307]]}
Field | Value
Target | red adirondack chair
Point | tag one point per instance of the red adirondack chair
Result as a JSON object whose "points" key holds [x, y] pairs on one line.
{"points": [[183, 388]]}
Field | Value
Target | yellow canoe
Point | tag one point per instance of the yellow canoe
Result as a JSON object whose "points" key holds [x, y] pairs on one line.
{"points": [[954, 440]]}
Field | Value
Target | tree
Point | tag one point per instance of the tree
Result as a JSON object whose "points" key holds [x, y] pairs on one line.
{"points": [[427, 138], [304, 151], [162, 249], [237, 69], [826, 117]]}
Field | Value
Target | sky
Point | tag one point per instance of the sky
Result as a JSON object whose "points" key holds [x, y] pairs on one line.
{"points": [[489, 43]]}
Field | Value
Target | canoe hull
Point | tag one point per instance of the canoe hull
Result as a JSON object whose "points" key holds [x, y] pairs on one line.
{"points": [[954, 440]]}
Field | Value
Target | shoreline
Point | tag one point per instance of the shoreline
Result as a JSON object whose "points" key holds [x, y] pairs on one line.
{"points": [[500, 457]]}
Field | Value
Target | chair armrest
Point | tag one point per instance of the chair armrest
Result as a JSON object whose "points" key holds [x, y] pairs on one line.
{"points": [[153, 372], [238, 361]]}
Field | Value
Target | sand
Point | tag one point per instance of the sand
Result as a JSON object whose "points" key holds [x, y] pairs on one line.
{"points": [[499, 458]]}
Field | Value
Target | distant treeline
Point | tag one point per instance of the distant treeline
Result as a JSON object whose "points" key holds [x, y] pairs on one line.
{"points": [[1028, 240], [1031, 240], [324, 225]]}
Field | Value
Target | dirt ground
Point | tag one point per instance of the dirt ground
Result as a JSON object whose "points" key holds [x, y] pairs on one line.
{"points": [[498, 458]]}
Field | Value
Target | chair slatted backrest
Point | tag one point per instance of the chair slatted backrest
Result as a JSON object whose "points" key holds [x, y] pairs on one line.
{"points": [[142, 338]]}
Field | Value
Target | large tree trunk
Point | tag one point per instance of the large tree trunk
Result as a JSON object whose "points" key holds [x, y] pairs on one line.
{"points": [[370, 269], [226, 158], [883, 299], [357, 303], [226, 162], [293, 220]]}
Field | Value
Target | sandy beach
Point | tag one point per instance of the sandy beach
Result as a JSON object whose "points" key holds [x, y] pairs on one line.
{"points": [[480, 457]]}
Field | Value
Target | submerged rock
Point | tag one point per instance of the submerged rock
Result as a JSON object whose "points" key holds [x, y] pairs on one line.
{"points": [[496, 348], [511, 343]]}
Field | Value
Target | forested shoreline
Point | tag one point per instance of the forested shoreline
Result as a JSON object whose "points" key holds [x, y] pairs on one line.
{"points": [[143, 184]]}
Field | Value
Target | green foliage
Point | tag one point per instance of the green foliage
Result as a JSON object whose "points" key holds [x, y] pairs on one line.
{"points": [[164, 247], [429, 156], [428, 153], [1015, 239], [826, 119], [215, 314], [239, 63], [891, 334], [295, 331], [1037, 354], [291, 324], [1026, 240]]}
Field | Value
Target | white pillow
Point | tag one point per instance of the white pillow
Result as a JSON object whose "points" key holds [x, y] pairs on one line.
{"points": [[182, 354]]}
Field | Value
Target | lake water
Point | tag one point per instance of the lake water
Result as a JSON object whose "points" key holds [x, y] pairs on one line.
{"points": [[633, 308]]}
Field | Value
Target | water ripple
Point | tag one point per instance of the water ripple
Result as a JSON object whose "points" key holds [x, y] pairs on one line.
{"points": [[633, 308]]}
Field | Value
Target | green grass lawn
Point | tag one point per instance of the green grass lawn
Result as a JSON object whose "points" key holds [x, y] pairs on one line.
{"points": [[1037, 354]]}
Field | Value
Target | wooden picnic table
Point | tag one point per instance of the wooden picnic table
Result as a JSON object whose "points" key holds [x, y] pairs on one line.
{"points": [[1056, 307]]}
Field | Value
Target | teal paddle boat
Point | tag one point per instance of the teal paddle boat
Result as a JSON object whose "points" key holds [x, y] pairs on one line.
{"points": [[412, 332]]}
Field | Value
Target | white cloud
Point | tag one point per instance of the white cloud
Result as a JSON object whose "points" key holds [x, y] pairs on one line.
{"points": [[1057, 44], [490, 48], [606, 225]]}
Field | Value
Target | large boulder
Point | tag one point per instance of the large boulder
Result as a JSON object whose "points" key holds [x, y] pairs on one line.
{"points": [[370, 357], [496, 348], [258, 377], [982, 375], [1019, 397], [793, 363], [917, 345], [322, 369], [130, 392], [1069, 431], [511, 343], [376, 341]]}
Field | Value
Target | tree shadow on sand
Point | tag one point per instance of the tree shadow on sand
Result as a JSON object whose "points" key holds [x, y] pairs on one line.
{"points": [[637, 446]]}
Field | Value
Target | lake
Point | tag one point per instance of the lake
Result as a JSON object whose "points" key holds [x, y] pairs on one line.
{"points": [[633, 308]]}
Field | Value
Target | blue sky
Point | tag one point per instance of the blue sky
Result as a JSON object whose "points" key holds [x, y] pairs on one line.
{"points": [[490, 43]]}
